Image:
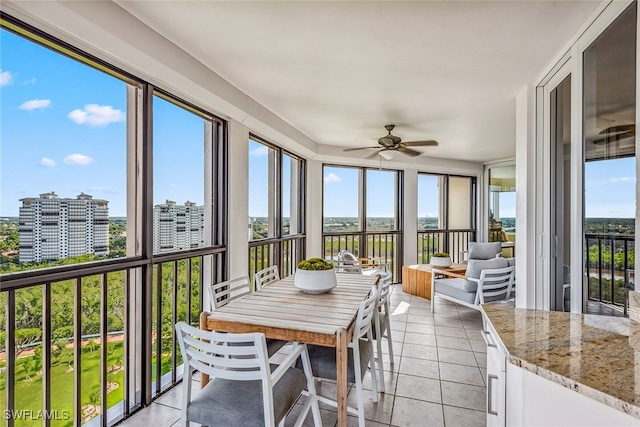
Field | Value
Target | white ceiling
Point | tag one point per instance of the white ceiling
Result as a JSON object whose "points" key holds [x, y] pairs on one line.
{"points": [[340, 71]]}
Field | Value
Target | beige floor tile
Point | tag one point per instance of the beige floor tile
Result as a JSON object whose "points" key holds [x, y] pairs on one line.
{"points": [[474, 334], [478, 346], [419, 367], [461, 374], [464, 395], [460, 417], [448, 331], [380, 412], [419, 339], [420, 351], [427, 389], [448, 321], [415, 413], [458, 357], [156, 415], [417, 318], [421, 328], [454, 343], [390, 379]]}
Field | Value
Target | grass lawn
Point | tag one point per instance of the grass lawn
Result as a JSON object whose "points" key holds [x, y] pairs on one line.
{"points": [[28, 392]]}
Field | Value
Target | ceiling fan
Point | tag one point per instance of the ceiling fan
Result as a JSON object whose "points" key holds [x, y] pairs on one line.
{"points": [[616, 133], [393, 143]]}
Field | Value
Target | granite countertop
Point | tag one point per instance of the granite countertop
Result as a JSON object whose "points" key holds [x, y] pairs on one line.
{"points": [[592, 355]]}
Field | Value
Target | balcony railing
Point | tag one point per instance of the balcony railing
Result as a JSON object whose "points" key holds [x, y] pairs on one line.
{"points": [[452, 242], [609, 259], [385, 247], [286, 253], [92, 344]]}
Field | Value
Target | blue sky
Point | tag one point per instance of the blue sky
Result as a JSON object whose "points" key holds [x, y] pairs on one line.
{"points": [[63, 129]]}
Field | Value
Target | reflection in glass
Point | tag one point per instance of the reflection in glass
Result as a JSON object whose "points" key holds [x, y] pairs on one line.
{"points": [[609, 169], [502, 204]]}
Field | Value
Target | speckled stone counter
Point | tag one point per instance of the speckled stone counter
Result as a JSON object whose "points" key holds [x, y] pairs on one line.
{"points": [[589, 354]]}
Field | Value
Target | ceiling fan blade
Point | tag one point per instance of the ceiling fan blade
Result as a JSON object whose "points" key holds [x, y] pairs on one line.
{"points": [[360, 148], [409, 151], [427, 143], [374, 155], [618, 129]]}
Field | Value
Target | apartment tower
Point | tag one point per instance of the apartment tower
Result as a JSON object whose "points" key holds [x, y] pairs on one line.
{"points": [[177, 227], [52, 228]]}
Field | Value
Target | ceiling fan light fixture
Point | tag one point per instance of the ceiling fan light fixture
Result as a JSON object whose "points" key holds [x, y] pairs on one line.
{"points": [[388, 154]]}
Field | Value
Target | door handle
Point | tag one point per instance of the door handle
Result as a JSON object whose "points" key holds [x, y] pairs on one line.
{"points": [[487, 334], [490, 411]]}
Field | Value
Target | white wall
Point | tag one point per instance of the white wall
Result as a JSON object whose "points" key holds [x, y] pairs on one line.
{"points": [[525, 197]]}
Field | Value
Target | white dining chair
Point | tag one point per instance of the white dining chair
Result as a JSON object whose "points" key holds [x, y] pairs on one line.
{"points": [[266, 276], [240, 378], [323, 359], [221, 294], [382, 324]]}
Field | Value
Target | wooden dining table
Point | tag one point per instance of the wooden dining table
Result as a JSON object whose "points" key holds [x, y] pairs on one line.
{"points": [[282, 311]]}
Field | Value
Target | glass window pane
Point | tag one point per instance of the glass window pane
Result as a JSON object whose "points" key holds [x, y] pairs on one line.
{"points": [[610, 165], [178, 177], [290, 195], [340, 199], [262, 186], [381, 200], [429, 202], [502, 204], [63, 163]]}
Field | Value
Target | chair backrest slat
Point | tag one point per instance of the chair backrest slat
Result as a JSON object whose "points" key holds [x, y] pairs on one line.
{"points": [[266, 276], [220, 294], [365, 315], [224, 355], [348, 266]]}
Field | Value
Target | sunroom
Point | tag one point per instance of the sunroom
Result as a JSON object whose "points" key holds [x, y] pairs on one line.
{"points": [[152, 149]]}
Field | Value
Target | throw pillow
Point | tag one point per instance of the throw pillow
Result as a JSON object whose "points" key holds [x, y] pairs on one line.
{"points": [[475, 267]]}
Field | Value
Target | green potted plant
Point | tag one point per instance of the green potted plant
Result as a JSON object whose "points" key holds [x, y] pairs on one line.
{"points": [[440, 259], [315, 276]]}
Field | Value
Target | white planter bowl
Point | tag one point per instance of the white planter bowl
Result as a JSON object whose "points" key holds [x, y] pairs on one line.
{"points": [[315, 281], [440, 261]]}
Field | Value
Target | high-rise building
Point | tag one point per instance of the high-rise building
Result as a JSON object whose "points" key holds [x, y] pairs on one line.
{"points": [[177, 227], [52, 228]]}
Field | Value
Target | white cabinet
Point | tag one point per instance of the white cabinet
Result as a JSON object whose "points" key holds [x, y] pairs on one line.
{"points": [[517, 397], [496, 379]]}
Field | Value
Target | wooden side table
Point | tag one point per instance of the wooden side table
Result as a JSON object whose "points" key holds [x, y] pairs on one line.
{"points": [[416, 279]]}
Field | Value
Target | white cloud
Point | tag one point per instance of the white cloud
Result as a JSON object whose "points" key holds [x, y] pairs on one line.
{"points": [[623, 179], [5, 78], [96, 115], [332, 177], [34, 104], [31, 81], [47, 162], [260, 151], [77, 159]]}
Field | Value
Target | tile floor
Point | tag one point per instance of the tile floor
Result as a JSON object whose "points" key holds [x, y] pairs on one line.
{"points": [[437, 378]]}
